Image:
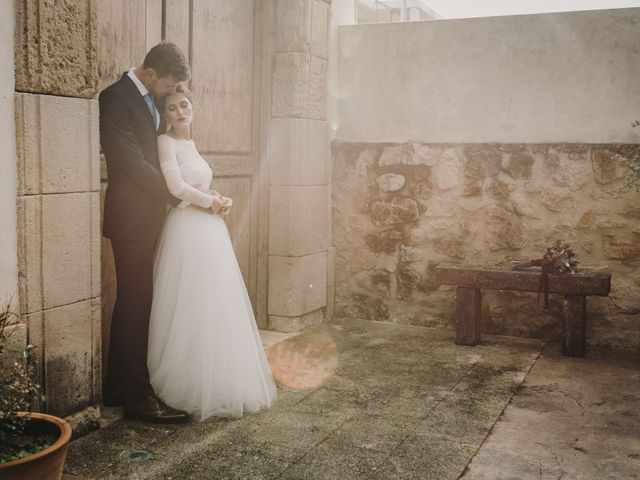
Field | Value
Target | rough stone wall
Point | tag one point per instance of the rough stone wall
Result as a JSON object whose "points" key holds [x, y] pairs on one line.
{"points": [[58, 198], [399, 209], [57, 48], [299, 203]]}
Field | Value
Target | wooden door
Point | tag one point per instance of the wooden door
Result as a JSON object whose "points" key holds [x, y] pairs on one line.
{"points": [[224, 58], [222, 40]]}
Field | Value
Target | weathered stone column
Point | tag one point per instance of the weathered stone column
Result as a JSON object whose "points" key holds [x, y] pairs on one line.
{"points": [[8, 179], [299, 223], [59, 198]]}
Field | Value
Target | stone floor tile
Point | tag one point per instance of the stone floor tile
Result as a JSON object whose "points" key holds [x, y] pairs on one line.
{"points": [[572, 418], [380, 433], [431, 457], [336, 458]]}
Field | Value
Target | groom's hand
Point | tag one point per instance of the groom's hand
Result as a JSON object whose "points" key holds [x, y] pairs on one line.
{"points": [[227, 204], [217, 205]]}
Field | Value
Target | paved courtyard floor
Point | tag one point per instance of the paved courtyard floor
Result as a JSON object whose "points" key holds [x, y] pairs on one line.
{"points": [[369, 400]]}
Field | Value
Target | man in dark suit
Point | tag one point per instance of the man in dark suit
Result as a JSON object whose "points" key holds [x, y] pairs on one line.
{"points": [[134, 212]]}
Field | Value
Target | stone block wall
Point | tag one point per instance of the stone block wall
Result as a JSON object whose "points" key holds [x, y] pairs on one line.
{"points": [[8, 232], [299, 203], [59, 243], [58, 199], [399, 209]]}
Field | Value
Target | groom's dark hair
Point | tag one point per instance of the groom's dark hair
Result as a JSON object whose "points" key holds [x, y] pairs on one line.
{"points": [[167, 60]]}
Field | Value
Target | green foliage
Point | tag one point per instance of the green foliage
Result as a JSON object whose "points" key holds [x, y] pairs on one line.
{"points": [[19, 449], [17, 389]]}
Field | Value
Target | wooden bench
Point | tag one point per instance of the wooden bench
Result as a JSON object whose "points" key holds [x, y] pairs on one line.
{"points": [[471, 280]]}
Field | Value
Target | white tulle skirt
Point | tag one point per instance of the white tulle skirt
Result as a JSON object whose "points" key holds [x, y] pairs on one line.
{"points": [[205, 354]]}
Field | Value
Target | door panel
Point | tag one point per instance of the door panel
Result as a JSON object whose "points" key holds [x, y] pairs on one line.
{"points": [[153, 26], [176, 26], [121, 38], [222, 74], [239, 219]]}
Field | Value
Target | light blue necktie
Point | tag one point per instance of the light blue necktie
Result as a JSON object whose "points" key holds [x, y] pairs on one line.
{"points": [[152, 109]]}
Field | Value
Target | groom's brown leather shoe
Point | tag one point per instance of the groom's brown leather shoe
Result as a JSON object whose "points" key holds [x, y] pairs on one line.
{"points": [[152, 409]]}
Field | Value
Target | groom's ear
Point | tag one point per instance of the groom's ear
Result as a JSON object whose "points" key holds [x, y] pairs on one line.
{"points": [[150, 73]]}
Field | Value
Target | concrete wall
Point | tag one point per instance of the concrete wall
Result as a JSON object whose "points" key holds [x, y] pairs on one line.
{"points": [[563, 77], [8, 178], [473, 8], [58, 199]]}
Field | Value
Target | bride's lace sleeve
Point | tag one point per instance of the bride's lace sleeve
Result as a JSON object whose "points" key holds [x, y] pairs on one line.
{"points": [[175, 183]]}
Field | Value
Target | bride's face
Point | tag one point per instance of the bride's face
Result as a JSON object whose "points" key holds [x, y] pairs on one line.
{"points": [[178, 110]]}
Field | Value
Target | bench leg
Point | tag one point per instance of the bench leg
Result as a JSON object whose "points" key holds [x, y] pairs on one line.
{"points": [[468, 301], [574, 325]]}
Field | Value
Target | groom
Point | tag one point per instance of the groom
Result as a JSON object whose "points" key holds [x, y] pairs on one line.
{"points": [[134, 211]]}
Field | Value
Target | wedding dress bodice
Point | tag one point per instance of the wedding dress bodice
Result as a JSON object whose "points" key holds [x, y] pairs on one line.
{"points": [[185, 171]]}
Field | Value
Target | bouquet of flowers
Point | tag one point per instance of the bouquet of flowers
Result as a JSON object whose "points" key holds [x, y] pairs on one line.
{"points": [[559, 259]]}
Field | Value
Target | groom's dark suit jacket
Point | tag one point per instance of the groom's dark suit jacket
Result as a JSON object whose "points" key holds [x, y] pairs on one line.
{"points": [[136, 197]]}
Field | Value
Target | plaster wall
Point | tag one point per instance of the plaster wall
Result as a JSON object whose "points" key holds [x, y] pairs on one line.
{"points": [[343, 12], [8, 176], [559, 77]]}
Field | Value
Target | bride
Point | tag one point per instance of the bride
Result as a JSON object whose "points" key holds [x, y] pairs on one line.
{"points": [[205, 354]]}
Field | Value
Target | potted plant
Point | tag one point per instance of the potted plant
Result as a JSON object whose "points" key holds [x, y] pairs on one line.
{"points": [[32, 445]]}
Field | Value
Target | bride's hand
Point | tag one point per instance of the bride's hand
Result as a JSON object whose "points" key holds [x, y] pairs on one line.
{"points": [[218, 204], [228, 203]]}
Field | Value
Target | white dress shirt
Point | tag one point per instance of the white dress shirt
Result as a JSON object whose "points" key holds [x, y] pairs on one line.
{"points": [[143, 91]]}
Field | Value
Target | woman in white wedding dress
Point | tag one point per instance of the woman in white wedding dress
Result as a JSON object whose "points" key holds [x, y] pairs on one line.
{"points": [[205, 354]]}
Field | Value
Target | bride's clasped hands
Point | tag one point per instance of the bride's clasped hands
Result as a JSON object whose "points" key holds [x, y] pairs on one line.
{"points": [[221, 204]]}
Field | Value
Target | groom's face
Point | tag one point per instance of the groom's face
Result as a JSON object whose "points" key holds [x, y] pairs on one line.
{"points": [[160, 86]]}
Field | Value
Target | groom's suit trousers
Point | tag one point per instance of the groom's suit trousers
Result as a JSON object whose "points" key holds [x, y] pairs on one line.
{"points": [[127, 375]]}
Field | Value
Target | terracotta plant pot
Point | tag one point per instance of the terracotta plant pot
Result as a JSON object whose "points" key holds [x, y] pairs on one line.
{"points": [[44, 465]]}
